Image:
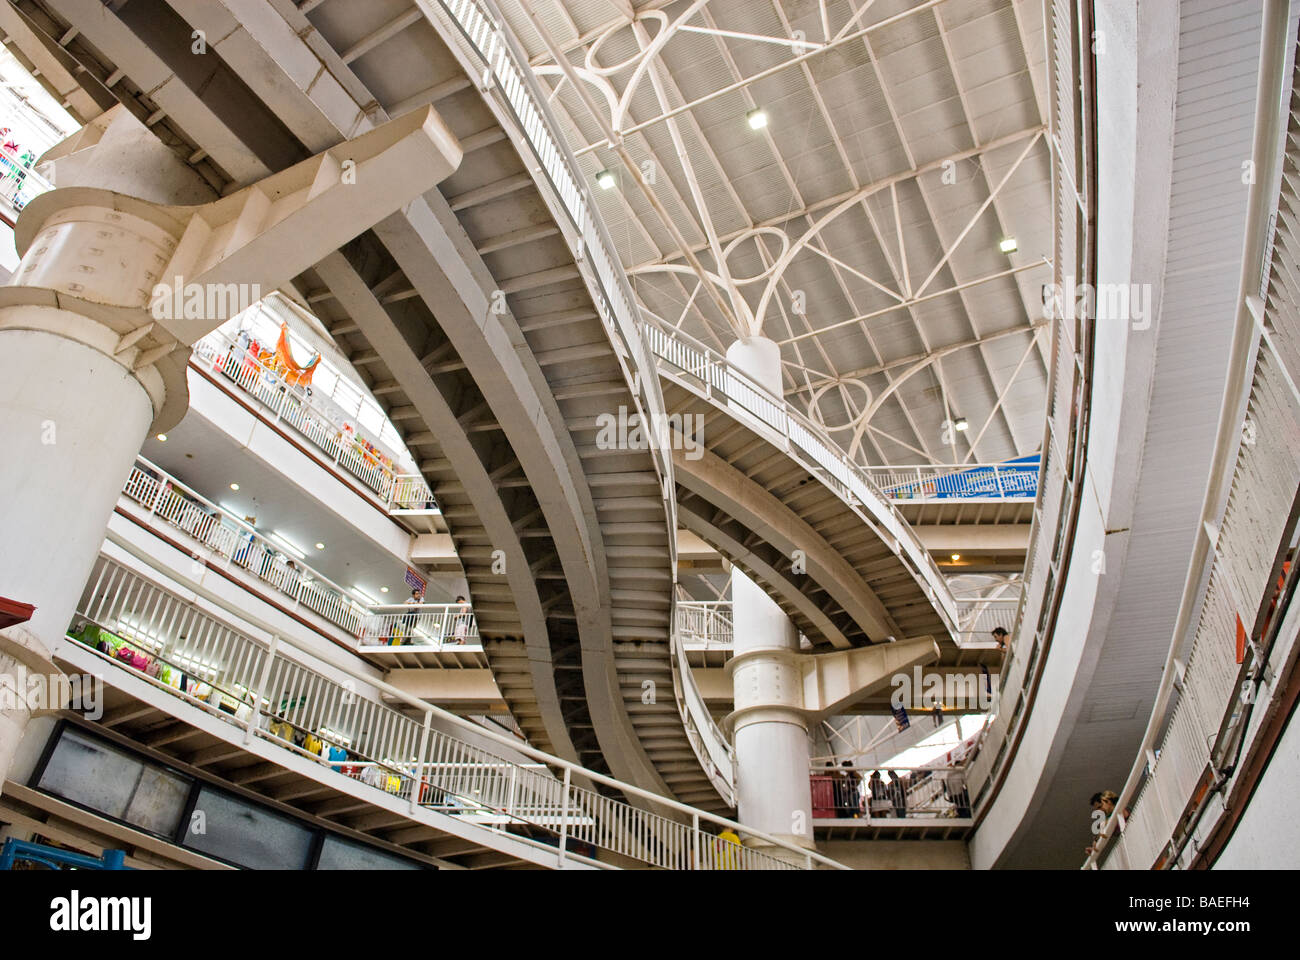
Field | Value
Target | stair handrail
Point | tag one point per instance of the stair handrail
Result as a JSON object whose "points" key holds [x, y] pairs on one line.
{"points": [[712, 614], [843, 476], [492, 55], [1007, 477], [715, 753]]}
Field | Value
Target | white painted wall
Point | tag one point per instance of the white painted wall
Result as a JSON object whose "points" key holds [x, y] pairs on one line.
{"points": [[1268, 834]]}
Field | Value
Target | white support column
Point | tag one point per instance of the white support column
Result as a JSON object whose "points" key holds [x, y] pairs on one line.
{"points": [[92, 358], [771, 741], [772, 787]]}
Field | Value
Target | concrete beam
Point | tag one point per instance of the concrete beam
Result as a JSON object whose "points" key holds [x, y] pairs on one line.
{"points": [[952, 538], [450, 688], [726, 488]]}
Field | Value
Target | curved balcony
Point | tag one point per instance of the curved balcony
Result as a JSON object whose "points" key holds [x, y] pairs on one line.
{"points": [[272, 695], [342, 440], [398, 635], [926, 608]]}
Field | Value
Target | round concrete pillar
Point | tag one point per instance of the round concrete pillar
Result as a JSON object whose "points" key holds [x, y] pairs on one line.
{"points": [[769, 731], [71, 423], [84, 375], [759, 358]]}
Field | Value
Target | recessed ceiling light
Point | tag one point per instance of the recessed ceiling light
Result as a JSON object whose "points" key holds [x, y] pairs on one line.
{"points": [[960, 424], [757, 118], [605, 179], [320, 546], [1007, 245], [956, 556], [383, 589], [162, 438], [234, 486]]}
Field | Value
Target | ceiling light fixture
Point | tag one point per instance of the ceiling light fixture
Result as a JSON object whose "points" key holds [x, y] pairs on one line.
{"points": [[383, 589], [320, 546], [960, 424], [757, 118], [1007, 244], [162, 438], [234, 486], [605, 179], [956, 557]]}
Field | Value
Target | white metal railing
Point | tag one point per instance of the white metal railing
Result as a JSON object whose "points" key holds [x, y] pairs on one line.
{"points": [[1201, 721], [715, 753], [715, 378], [1071, 130], [705, 622], [920, 793], [345, 443], [20, 185], [270, 691], [426, 624], [492, 55], [978, 618], [972, 481], [241, 545]]}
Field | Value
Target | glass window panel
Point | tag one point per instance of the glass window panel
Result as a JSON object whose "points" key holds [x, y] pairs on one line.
{"points": [[159, 801], [339, 854], [248, 835], [88, 771]]}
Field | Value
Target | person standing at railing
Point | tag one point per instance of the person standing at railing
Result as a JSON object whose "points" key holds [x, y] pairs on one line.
{"points": [[954, 791], [411, 616], [848, 789], [1000, 637], [878, 804], [244, 555], [460, 622], [898, 794]]}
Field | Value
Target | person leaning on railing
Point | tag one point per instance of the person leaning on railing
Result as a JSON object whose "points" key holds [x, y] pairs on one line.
{"points": [[1102, 805], [459, 623]]}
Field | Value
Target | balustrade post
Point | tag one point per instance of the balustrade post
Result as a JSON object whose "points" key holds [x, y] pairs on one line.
{"points": [[157, 496], [514, 786], [695, 842], [997, 478], [255, 717], [564, 818], [421, 760]]}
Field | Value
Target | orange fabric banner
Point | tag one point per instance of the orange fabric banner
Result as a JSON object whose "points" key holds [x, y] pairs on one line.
{"points": [[293, 373]]}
